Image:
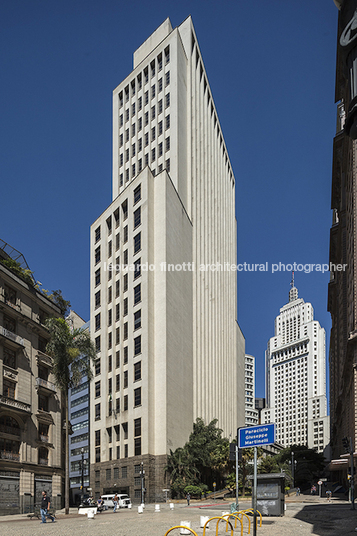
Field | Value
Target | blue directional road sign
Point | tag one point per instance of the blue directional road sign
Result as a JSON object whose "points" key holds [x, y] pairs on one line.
{"points": [[256, 436]]}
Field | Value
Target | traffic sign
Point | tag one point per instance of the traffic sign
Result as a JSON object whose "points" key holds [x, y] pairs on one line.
{"points": [[256, 436]]}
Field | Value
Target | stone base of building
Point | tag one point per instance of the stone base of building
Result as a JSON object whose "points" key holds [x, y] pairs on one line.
{"points": [[21, 489], [124, 476]]}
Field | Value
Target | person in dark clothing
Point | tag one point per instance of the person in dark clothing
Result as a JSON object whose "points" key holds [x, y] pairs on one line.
{"points": [[45, 506]]}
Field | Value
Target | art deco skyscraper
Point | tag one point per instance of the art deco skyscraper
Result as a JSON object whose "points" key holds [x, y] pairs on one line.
{"points": [[296, 377], [169, 346]]}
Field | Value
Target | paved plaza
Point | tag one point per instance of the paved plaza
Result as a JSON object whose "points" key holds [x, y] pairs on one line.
{"points": [[304, 516]]}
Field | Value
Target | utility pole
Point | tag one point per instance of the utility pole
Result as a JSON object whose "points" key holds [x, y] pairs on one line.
{"points": [[142, 475], [237, 488], [82, 474]]}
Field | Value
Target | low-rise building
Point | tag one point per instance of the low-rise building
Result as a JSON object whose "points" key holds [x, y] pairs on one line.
{"points": [[31, 458]]}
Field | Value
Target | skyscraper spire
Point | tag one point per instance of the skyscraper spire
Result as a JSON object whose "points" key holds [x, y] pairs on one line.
{"points": [[293, 293]]}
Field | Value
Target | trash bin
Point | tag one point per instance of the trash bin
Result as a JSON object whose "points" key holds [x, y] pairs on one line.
{"points": [[271, 494]]}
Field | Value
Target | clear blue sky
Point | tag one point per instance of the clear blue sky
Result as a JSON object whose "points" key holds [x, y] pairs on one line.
{"points": [[271, 66]]}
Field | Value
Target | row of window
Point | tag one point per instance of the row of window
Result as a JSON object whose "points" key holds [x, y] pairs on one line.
{"points": [[139, 107], [135, 85]]}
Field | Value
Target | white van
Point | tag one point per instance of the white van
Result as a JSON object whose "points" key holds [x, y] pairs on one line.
{"points": [[123, 502]]}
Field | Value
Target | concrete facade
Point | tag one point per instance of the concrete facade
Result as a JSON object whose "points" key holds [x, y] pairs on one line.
{"points": [[296, 377], [167, 337], [31, 456]]}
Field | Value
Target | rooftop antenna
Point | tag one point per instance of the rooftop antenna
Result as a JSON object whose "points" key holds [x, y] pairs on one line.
{"points": [[292, 279]]}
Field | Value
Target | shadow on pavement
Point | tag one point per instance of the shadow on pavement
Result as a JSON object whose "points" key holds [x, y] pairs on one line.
{"points": [[330, 519]]}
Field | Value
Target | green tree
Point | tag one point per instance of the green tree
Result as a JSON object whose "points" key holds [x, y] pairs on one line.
{"points": [[72, 352], [203, 459], [182, 471]]}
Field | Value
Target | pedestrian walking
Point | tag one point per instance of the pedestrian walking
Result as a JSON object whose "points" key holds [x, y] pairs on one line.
{"points": [[188, 497], [297, 492], [45, 506], [115, 501], [328, 495]]}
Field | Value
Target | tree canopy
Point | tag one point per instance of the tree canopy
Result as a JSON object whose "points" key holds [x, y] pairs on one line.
{"points": [[202, 460]]}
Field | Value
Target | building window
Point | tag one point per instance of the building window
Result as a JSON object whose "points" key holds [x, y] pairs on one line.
{"points": [[167, 144], [137, 194], [137, 319], [9, 357], [117, 364], [125, 307], [97, 299], [97, 455], [167, 54], [137, 371], [97, 438], [137, 345], [117, 407], [97, 234], [167, 78], [110, 340], [153, 112], [160, 107], [117, 312], [137, 446], [137, 268], [125, 282], [125, 379], [137, 397], [125, 352], [117, 382], [153, 134], [160, 128], [168, 164], [140, 123], [97, 322], [167, 100], [140, 103], [125, 403], [137, 217], [125, 331], [160, 84], [97, 255], [97, 367], [118, 452], [153, 155], [110, 361], [117, 288], [137, 243], [146, 117], [137, 294], [167, 122], [97, 343], [9, 389], [153, 91], [146, 139], [160, 149], [97, 389], [126, 453], [97, 412]]}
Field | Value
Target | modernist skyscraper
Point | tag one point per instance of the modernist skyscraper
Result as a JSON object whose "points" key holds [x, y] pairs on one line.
{"points": [[296, 377], [168, 344]]}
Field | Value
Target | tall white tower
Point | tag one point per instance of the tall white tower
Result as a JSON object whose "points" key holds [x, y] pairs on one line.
{"points": [[296, 377], [168, 344], [251, 414]]}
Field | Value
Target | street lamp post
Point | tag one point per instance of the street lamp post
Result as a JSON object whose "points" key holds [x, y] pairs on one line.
{"points": [[82, 474], [142, 476], [293, 468]]}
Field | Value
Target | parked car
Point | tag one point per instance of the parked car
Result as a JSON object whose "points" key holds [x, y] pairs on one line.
{"points": [[123, 502]]}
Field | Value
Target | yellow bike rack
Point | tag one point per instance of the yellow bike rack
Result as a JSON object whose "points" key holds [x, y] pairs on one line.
{"points": [[241, 512], [219, 518], [236, 516], [252, 510], [181, 527]]}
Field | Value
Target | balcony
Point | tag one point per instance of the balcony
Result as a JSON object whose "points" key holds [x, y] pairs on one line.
{"points": [[9, 456], [43, 438], [15, 404], [43, 359], [9, 335], [43, 461], [9, 430], [46, 385]]}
